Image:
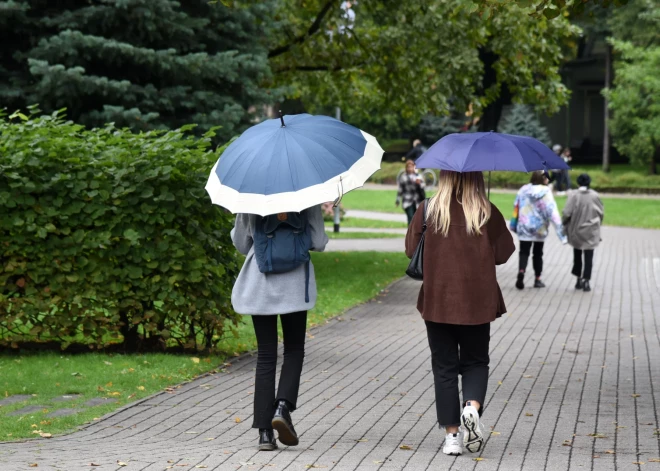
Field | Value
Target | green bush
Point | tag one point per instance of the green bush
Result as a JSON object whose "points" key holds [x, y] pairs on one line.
{"points": [[108, 237]]}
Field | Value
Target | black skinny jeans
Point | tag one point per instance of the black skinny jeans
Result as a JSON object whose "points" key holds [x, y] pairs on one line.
{"points": [[588, 263], [410, 212], [537, 257], [458, 349], [265, 328]]}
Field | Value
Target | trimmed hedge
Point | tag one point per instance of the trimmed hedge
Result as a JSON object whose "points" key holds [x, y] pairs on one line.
{"points": [[622, 179], [108, 237]]}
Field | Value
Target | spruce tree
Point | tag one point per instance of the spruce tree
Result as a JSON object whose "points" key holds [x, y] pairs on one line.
{"points": [[138, 63], [522, 120]]}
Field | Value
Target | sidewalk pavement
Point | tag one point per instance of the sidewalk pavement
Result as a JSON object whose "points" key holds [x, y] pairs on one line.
{"points": [[572, 386]]}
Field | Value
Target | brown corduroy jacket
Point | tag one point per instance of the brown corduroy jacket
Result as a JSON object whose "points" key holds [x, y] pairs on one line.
{"points": [[460, 284]]}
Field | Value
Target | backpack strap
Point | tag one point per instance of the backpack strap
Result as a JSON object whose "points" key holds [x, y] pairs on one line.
{"points": [[307, 281]]}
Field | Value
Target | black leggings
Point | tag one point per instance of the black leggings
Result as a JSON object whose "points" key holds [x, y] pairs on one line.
{"points": [[588, 263], [537, 257], [410, 212], [265, 328], [458, 349]]}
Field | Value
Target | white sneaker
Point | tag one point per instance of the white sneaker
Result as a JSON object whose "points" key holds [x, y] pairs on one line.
{"points": [[453, 445], [473, 432]]}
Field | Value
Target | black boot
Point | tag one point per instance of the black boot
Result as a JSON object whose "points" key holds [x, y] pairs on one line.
{"points": [[267, 440], [282, 423], [585, 285], [579, 284], [519, 282], [538, 283]]}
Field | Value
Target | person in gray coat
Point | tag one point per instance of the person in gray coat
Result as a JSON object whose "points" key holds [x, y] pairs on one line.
{"points": [[582, 218], [264, 296]]}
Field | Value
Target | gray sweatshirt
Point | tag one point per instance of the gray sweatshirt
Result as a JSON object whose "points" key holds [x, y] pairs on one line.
{"points": [[257, 293]]}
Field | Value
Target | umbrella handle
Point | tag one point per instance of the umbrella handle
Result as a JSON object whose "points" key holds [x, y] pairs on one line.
{"points": [[340, 190]]}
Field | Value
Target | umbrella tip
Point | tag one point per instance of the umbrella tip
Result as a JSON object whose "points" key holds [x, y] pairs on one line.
{"points": [[282, 119]]}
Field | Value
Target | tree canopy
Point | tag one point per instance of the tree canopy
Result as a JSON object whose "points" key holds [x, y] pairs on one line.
{"points": [[139, 63]]}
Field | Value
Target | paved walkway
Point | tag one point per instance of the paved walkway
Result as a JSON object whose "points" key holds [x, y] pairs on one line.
{"points": [[573, 386]]}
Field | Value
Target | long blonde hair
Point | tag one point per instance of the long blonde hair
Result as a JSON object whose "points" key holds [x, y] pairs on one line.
{"points": [[469, 190]]}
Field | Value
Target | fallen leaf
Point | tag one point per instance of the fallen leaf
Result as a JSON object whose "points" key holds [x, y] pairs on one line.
{"points": [[567, 443], [201, 466], [528, 376], [362, 440], [45, 435], [33, 465], [654, 460], [114, 393], [191, 432], [529, 414], [405, 447], [121, 463], [94, 464], [499, 383], [638, 462], [377, 462], [141, 388], [610, 452], [107, 363], [479, 459], [309, 466], [237, 420], [245, 463], [109, 385], [494, 433], [75, 374], [210, 438], [194, 359], [635, 395], [597, 435]]}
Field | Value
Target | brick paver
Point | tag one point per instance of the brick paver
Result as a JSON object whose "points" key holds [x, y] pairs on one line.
{"points": [[565, 366]]}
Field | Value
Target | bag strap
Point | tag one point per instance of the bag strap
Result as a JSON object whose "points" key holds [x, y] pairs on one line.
{"points": [[426, 203]]}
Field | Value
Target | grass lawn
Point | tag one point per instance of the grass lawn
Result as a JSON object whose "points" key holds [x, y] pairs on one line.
{"points": [[344, 280], [363, 235], [370, 223], [618, 211]]}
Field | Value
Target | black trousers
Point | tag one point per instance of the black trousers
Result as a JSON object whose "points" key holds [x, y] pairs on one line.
{"points": [[410, 212], [537, 257], [588, 263], [265, 328], [458, 349]]}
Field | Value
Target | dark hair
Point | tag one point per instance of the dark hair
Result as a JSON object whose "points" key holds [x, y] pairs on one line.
{"points": [[584, 180], [538, 177]]}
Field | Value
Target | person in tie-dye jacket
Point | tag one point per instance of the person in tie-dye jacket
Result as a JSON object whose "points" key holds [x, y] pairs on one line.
{"points": [[535, 208]]}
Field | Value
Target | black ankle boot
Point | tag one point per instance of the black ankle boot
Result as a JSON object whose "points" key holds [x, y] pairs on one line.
{"points": [[538, 283], [579, 284], [520, 284], [267, 440], [282, 423], [585, 285]]}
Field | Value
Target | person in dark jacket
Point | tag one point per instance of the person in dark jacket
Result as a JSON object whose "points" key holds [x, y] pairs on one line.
{"points": [[582, 218], [411, 190], [417, 150], [459, 298]]}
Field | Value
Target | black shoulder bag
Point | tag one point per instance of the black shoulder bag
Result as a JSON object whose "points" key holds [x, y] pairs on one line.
{"points": [[415, 267]]}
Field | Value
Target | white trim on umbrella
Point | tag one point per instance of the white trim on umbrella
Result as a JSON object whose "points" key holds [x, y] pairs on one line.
{"points": [[295, 201]]}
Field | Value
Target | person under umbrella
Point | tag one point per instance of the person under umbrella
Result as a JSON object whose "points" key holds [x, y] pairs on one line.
{"points": [[582, 216], [460, 296], [275, 176]]}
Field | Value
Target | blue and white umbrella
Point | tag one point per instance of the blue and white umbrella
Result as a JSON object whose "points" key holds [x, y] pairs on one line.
{"points": [[292, 163]]}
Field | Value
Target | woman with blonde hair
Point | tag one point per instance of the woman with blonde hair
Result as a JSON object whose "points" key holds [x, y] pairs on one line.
{"points": [[459, 298]]}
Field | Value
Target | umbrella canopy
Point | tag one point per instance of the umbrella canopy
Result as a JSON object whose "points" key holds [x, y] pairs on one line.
{"points": [[292, 163], [490, 151]]}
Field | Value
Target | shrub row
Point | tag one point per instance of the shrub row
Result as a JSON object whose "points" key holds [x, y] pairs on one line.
{"points": [[108, 237]]}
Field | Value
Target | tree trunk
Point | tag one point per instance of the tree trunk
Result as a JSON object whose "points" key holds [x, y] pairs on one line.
{"points": [[653, 169], [606, 130]]}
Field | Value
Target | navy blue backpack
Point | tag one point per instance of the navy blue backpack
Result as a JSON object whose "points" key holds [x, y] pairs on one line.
{"points": [[282, 243]]}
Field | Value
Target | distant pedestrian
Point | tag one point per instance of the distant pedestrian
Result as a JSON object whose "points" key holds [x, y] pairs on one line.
{"points": [[582, 217], [466, 238], [411, 190], [417, 150], [289, 291], [536, 209], [565, 175]]}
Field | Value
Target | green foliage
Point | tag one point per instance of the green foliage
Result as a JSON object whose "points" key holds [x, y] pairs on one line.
{"points": [[109, 236], [145, 64], [417, 57], [635, 103], [522, 120]]}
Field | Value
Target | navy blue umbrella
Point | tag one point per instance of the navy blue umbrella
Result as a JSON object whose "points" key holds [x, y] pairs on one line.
{"points": [[292, 163], [490, 151]]}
